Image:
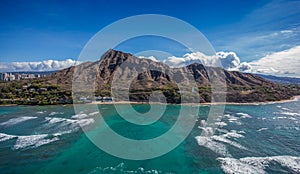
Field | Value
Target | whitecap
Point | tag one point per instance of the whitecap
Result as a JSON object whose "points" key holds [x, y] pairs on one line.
{"points": [[120, 168], [214, 146], [55, 113], [207, 131], [286, 109], [82, 115], [230, 142], [85, 122], [215, 142], [258, 164], [64, 122], [243, 115], [53, 120], [290, 113], [18, 120], [232, 119], [234, 134], [79, 116], [5, 137], [221, 124], [32, 141], [235, 166], [262, 129], [62, 133]]}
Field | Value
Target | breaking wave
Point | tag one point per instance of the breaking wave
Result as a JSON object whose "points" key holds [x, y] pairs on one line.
{"points": [[255, 165], [15, 121], [28, 141], [122, 169]]}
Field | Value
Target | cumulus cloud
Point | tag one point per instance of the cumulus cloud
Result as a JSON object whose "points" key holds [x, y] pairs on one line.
{"points": [[283, 63], [228, 60], [189, 58], [149, 57], [232, 62], [47, 65]]}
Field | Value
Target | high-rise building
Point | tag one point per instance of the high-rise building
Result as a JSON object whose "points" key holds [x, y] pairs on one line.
{"points": [[5, 76], [18, 76], [11, 77]]}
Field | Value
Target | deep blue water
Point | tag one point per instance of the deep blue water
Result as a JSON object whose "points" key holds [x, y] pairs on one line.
{"points": [[248, 139]]}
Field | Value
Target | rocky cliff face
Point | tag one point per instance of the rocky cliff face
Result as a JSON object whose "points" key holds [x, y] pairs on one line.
{"points": [[116, 68]]}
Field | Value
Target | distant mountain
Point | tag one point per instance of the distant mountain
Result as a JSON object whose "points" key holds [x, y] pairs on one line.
{"points": [[241, 87], [281, 80]]}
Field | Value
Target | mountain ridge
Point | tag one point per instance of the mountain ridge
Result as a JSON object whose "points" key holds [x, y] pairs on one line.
{"points": [[241, 87], [146, 76]]}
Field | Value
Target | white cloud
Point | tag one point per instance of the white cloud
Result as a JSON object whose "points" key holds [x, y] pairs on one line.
{"points": [[47, 65], [190, 58], [282, 63], [232, 62], [149, 57], [229, 60]]}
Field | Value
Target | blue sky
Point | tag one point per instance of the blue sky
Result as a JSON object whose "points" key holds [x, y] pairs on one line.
{"points": [[42, 30]]}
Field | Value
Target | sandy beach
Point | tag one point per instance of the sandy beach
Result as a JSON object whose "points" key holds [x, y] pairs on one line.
{"points": [[295, 98]]}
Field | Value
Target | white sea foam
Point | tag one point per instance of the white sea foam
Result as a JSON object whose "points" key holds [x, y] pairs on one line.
{"points": [[62, 133], [120, 168], [287, 128], [53, 120], [214, 146], [5, 137], [221, 124], [233, 119], [230, 142], [262, 129], [14, 121], [79, 116], [259, 164], [234, 134], [243, 115], [216, 142], [235, 166], [82, 115], [55, 113], [207, 131], [202, 123], [32, 141], [24, 141], [64, 122], [41, 112], [85, 122], [286, 109], [290, 113]]}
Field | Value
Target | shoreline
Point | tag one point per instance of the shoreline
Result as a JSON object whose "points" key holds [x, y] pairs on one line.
{"points": [[294, 98]]}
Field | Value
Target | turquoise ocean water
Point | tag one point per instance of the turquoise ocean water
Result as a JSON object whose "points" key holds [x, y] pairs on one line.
{"points": [[249, 139]]}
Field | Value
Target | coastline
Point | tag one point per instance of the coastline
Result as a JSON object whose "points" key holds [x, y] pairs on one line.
{"points": [[294, 98]]}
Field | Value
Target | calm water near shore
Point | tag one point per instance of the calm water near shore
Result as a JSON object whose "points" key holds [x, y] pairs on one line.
{"points": [[249, 138]]}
